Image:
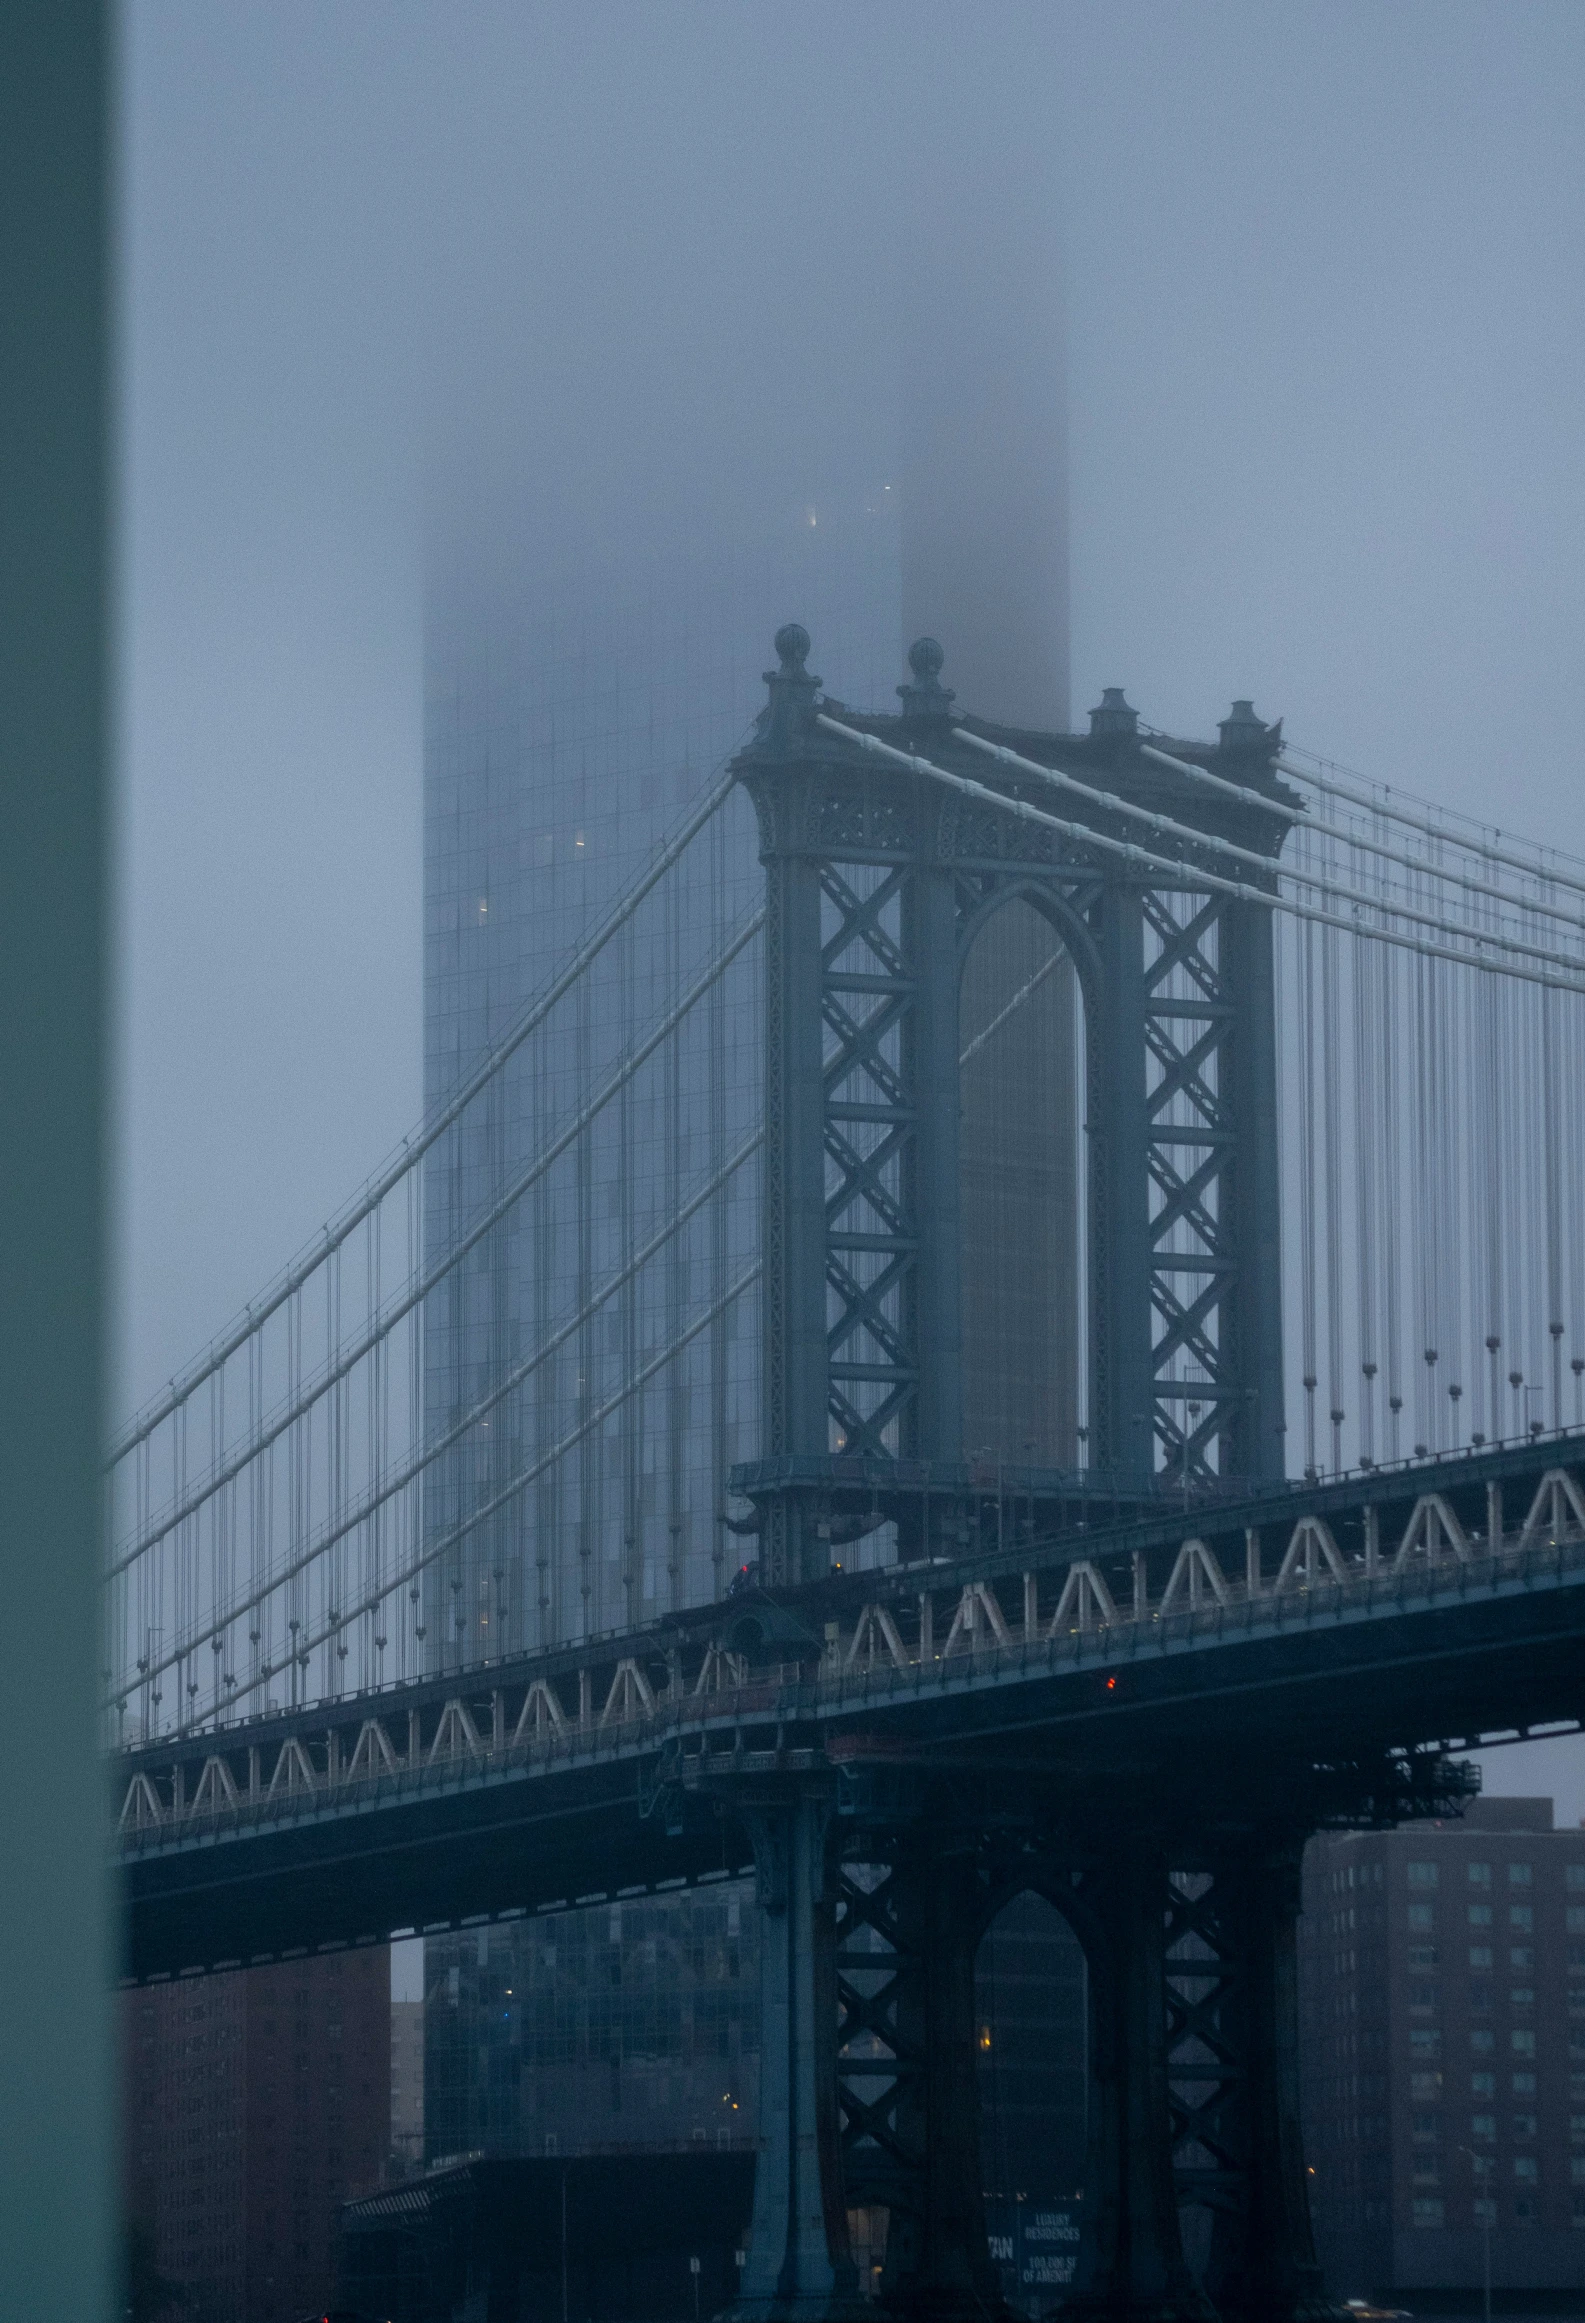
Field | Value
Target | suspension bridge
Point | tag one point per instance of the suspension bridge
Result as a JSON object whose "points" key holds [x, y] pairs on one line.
{"points": [[597, 1504]]}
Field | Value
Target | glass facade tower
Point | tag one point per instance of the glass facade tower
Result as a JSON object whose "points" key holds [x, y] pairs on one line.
{"points": [[570, 724]]}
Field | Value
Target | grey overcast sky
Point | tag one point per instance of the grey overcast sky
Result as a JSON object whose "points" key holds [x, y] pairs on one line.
{"points": [[637, 270]]}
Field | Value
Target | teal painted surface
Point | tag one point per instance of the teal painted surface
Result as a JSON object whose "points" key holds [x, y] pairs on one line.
{"points": [[57, 2100]]}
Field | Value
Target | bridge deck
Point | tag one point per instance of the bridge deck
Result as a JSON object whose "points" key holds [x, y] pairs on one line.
{"points": [[1431, 1606]]}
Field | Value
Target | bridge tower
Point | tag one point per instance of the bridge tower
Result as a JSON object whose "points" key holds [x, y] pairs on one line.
{"points": [[879, 878], [888, 844]]}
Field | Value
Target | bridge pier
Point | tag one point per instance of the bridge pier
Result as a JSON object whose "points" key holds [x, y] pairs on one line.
{"points": [[871, 1920], [1263, 2267], [1138, 2272], [918, 2151], [799, 2268]]}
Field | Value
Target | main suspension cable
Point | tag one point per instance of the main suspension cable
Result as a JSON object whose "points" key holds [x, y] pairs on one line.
{"points": [[1268, 865], [416, 1145], [302, 1397], [1191, 875]]}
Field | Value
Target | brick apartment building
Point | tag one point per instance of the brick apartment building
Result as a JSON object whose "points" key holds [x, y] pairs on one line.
{"points": [[1442, 1996], [256, 2102]]}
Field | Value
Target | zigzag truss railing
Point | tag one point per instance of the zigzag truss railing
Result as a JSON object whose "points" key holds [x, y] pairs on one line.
{"points": [[636, 1692]]}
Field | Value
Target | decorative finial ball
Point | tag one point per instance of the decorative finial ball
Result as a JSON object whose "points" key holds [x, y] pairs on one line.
{"points": [[792, 645], [925, 658]]}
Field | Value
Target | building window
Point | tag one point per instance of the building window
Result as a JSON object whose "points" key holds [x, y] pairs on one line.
{"points": [[1574, 1875], [1522, 1917], [1479, 1874], [1520, 1875], [1525, 2169], [1481, 2042], [1575, 1919], [1480, 1915], [1422, 1919], [1428, 2125], [1524, 2125], [1576, 2128], [1425, 2041], [1422, 1875], [1483, 2125], [1422, 1956], [1480, 1955], [1521, 1996], [1521, 1956], [1483, 2085], [1524, 2085], [1576, 2169], [1427, 2210], [1522, 2042], [1425, 2086], [1485, 2210]]}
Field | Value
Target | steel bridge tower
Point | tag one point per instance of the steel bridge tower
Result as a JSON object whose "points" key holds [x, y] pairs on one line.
{"points": [[888, 844], [878, 882]]}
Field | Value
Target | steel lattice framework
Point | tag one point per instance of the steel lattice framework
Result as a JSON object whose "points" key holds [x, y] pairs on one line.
{"points": [[879, 885]]}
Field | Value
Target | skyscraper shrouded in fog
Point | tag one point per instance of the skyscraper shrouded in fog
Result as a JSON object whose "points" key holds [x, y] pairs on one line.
{"points": [[572, 715], [570, 722]]}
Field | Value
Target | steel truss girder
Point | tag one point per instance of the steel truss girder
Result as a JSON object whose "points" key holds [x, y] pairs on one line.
{"points": [[1192, 1220], [1205, 2065], [869, 1132], [873, 2048]]}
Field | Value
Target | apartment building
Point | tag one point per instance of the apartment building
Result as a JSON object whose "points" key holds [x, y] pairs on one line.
{"points": [[1442, 1997]]}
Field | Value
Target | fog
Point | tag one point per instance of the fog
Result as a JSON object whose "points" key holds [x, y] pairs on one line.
{"points": [[637, 282]]}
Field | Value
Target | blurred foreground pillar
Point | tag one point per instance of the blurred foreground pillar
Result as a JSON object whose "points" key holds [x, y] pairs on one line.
{"points": [[57, 2080]]}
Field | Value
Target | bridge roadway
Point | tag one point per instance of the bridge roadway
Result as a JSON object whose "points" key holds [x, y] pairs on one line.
{"points": [[1435, 1605]]}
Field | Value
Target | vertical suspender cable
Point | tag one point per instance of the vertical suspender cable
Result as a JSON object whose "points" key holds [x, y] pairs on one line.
{"points": [[1572, 1090], [1366, 1127], [549, 1596], [1514, 1211], [1332, 1100], [1430, 1226], [584, 1169], [676, 1285], [1307, 1158], [716, 1098], [631, 1439], [1448, 1244], [1548, 1012], [1392, 1195], [1487, 1103]]}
